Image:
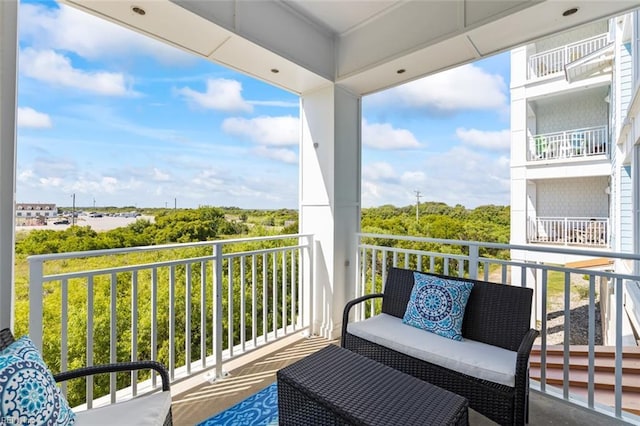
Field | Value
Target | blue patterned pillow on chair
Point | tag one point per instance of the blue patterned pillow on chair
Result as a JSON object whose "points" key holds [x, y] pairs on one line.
{"points": [[437, 305], [28, 391]]}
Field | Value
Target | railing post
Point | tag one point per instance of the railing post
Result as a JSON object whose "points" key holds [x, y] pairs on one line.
{"points": [[618, 352], [217, 314], [310, 283], [566, 229], [35, 302], [474, 256]]}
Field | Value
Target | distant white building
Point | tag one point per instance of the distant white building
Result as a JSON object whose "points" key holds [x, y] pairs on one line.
{"points": [[29, 213], [575, 127]]}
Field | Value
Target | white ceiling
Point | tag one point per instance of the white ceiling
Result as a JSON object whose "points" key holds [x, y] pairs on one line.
{"points": [[358, 44], [341, 16]]}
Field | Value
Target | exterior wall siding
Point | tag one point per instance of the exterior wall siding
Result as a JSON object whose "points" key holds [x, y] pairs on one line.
{"points": [[576, 112], [580, 197], [626, 210], [568, 37], [626, 77]]}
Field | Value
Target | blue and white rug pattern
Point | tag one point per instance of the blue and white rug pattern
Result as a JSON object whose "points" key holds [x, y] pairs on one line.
{"points": [[260, 409]]}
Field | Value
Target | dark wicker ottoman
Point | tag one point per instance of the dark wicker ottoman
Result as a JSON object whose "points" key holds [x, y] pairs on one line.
{"points": [[335, 386]]}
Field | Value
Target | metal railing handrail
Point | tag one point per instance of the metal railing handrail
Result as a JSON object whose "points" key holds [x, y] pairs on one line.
{"points": [[563, 132], [503, 246], [569, 45], [589, 231], [374, 260], [282, 274], [570, 143], [574, 217], [552, 62], [126, 250]]}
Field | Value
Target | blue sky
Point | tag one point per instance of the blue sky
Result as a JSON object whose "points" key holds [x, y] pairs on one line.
{"points": [[112, 116]]}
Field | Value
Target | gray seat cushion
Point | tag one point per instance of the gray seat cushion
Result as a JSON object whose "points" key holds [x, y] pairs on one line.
{"points": [[468, 357]]}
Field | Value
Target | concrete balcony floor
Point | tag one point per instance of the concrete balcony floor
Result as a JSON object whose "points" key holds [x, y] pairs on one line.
{"points": [[195, 400]]}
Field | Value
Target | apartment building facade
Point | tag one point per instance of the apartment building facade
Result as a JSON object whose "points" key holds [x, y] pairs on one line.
{"points": [[574, 147], [34, 213]]}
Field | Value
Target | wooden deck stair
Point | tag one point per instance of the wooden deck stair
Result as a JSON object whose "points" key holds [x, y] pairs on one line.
{"points": [[604, 363]]}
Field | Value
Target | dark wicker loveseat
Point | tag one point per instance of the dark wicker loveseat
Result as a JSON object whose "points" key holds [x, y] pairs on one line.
{"points": [[7, 338], [495, 314]]}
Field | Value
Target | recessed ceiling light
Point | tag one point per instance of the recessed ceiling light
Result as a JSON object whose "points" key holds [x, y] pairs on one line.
{"points": [[401, 71], [140, 11], [275, 70], [570, 12]]}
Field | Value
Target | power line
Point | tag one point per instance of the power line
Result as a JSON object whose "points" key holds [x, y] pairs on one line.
{"points": [[418, 196]]}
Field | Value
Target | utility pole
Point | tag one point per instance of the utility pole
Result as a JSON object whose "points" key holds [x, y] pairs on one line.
{"points": [[418, 196], [73, 209]]}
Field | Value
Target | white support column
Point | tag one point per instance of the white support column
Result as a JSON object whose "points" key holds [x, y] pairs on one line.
{"points": [[8, 99], [330, 152]]}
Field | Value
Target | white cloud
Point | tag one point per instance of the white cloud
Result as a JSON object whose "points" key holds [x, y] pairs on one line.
{"points": [[219, 184], [492, 140], [222, 95], [56, 69], [25, 175], [59, 177], [68, 29], [458, 176], [464, 88], [159, 176], [384, 136], [50, 182], [29, 117], [272, 131], [379, 171], [103, 185], [279, 104], [279, 154]]}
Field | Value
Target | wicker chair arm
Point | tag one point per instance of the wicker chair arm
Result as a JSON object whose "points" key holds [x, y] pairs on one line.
{"points": [[347, 308], [115, 368], [527, 343], [521, 385], [522, 359]]}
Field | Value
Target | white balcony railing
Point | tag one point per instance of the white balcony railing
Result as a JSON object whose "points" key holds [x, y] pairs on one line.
{"points": [[582, 231], [494, 262], [261, 287], [255, 284], [552, 61], [569, 144]]}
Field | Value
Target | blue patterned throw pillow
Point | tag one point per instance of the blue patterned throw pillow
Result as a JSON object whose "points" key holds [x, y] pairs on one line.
{"points": [[437, 305], [28, 391]]}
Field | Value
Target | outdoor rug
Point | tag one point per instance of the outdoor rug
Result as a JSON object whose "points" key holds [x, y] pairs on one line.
{"points": [[260, 409]]}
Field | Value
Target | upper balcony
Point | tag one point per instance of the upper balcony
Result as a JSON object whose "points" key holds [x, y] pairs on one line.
{"points": [[569, 145], [552, 62], [576, 231], [196, 307]]}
